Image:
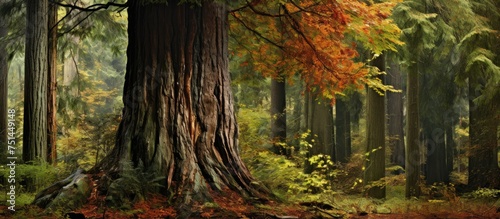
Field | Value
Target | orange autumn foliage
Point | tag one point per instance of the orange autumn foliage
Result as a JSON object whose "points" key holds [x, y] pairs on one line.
{"points": [[313, 39]]}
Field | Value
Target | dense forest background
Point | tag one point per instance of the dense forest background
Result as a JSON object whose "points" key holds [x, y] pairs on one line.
{"points": [[343, 108]]}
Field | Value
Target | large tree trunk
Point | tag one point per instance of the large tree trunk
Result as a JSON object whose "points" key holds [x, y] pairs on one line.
{"points": [[35, 91], [178, 117], [375, 133], [412, 159], [4, 71], [342, 130], [395, 126], [483, 159], [52, 83], [278, 116], [319, 120]]}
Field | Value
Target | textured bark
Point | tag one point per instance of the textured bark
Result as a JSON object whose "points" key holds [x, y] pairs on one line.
{"points": [[278, 116], [35, 88], [52, 83], [483, 160], [319, 121], [342, 130], [412, 159], [395, 126], [375, 131], [4, 70], [178, 117]]}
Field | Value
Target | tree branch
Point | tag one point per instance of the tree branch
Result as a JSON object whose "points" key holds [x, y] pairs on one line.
{"points": [[76, 25], [306, 9], [296, 26], [94, 7], [91, 9], [256, 32]]}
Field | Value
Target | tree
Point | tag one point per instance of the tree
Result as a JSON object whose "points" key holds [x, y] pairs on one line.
{"points": [[479, 49], [278, 116], [4, 70], [374, 167], [412, 158], [319, 121], [483, 158], [355, 109], [35, 90], [178, 119], [342, 130], [52, 83], [418, 34], [395, 128], [438, 91]]}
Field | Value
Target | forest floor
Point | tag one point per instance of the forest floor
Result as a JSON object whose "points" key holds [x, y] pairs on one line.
{"points": [[347, 206]]}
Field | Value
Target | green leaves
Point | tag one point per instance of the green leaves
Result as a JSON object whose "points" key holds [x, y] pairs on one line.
{"points": [[480, 66], [373, 27], [478, 49], [417, 26]]}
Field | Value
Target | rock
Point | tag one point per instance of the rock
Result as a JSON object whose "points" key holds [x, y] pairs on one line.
{"points": [[382, 210], [73, 195], [67, 194]]}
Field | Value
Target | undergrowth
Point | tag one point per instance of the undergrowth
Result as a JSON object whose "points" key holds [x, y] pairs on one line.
{"points": [[341, 185]]}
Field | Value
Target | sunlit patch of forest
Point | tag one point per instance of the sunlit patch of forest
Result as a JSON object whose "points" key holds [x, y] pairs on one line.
{"points": [[250, 109]]}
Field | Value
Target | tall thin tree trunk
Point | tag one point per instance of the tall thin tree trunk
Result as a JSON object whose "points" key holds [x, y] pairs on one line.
{"points": [[178, 117], [342, 130], [295, 123], [412, 158], [52, 83], [35, 92], [395, 126], [278, 116], [320, 123], [375, 133], [4, 71]]}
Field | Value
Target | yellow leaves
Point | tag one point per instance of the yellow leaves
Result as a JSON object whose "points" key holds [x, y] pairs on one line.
{"points": [[97, 97]]}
